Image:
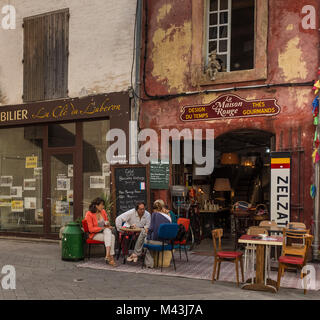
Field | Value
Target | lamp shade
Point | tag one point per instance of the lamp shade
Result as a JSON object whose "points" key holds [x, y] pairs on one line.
{"points": [[229, 158], [222, 184]]}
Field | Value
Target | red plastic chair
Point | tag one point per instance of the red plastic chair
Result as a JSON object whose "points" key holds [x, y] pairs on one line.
{"points": [[186, 223], [89, 241]]}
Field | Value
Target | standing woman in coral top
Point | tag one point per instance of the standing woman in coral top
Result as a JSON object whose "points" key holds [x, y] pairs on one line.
{"points": [[100, 229]]}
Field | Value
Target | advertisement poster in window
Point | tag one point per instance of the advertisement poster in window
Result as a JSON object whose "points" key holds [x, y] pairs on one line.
{"points": [[70, 195], [63, 183], [17, 206], [31, 162], [29, 184], [62, 207], [6, 181], [70, 170], [30, 203], [106, 169], [5, 201], [16, 192], [97, 182], [37, 172]]}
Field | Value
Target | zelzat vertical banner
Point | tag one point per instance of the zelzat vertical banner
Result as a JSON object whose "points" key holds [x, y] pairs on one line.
{"points": [[280, 187]]}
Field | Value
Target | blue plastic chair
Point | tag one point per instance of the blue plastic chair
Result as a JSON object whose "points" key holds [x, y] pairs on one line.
{"points": [[167, 233]]}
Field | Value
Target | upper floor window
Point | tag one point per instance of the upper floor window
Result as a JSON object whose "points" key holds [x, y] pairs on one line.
{"points": [[230, 31], [45, 61]]}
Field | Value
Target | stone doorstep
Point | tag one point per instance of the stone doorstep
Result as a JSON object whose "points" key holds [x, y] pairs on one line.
{"points": [[42, 240]]}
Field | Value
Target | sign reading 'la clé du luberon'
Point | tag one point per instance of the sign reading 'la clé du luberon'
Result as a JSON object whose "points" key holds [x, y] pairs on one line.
{"points": [[229, 107]]}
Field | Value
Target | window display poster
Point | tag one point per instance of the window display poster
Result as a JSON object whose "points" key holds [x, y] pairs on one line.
{"points": [[16, 192], [70, 170], [17, 205], [63, 183], [29, 184], [37, 172], [70, 195], [6, 181], [97, 182], [5, 201], [30, 203], [62, 207], [31, 162], [106, 169]]}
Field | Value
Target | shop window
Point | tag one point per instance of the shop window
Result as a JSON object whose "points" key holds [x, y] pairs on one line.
{"points": [[45, 60], [62, 135], [238, 31], [21, 207], [230, 32], [96, 170]]}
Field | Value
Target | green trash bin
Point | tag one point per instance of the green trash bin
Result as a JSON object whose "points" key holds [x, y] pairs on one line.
{"points": [[72, 242]]}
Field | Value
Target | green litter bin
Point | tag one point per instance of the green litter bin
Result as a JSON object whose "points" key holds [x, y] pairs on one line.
{"points": [[72, 242]]}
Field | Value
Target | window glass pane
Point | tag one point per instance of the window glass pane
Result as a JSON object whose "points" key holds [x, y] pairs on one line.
{"points": [[213, 33], [242, 35], [212, 46], [213, 5], [223, 17], [223, 4], [94, 161], [61, 190], [223, 31], [62, 135], [21, 208], [223, 45], [213, 19]]}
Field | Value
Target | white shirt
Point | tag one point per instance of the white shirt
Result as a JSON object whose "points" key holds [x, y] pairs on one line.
{"points": [[131, 217]]}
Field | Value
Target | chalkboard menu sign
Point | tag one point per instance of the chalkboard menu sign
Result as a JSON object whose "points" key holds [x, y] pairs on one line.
{"points": [[130, 184], [159, 175]]}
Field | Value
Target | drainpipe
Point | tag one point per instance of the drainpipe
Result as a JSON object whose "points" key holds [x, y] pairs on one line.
{"points": [[134, 124]]}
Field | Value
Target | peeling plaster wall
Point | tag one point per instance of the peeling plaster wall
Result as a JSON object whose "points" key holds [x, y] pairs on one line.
{"points": [[100, 45], [292, 55]]}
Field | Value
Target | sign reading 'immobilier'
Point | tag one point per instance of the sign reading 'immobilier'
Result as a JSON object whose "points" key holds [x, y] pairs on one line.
{"points": [[229, 107], [101, 105]]}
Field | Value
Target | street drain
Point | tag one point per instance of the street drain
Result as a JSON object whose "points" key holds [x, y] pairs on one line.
{"points": [[78, 280]]}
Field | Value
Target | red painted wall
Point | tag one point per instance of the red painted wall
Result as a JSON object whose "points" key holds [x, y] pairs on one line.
{"points": [[292, 56]]}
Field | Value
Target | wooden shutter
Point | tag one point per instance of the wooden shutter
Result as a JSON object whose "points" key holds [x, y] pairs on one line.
{"points": [[46, 42]]}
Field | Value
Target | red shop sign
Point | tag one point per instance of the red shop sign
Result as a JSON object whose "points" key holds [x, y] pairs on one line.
{"points": [[230, 107]]}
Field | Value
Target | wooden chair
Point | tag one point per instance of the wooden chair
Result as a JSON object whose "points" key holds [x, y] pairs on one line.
{"points": [[250, 249], [294, 252], [219, 256], [296, 225]]}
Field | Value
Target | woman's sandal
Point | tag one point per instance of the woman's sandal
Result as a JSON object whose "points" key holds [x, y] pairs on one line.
{"points": [[110, 260], [132, 259]]}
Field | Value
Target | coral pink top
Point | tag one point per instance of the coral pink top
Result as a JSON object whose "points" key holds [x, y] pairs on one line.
{"points": [[93, 222]]}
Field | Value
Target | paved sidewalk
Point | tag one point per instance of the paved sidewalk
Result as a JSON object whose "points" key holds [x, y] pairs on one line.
{"points": [[41, 274]]}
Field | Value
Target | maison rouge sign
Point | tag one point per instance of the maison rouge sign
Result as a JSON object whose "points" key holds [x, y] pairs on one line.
{"points": [[230, 107]]}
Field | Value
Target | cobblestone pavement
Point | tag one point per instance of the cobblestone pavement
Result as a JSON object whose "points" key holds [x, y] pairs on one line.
{"points": [[41, 274]]}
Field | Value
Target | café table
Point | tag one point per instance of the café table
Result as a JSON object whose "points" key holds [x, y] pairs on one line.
{"points": [[128, 236], [260, 282]]}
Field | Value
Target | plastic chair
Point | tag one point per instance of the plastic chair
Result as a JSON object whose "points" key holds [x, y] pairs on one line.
{"points": [[167, 233], [219, 256], [186, 223], [294, 252], [89, 241]]}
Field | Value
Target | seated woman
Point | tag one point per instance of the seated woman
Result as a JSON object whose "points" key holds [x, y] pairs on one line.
{"points": [[157, 218], [100, 229]]}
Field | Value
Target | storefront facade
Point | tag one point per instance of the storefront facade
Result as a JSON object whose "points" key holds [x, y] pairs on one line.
{"points": [[259, 101], [64, 83], [53, 160]]}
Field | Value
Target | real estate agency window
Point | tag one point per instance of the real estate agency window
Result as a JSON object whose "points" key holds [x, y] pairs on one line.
{"points": [[230, 31]]}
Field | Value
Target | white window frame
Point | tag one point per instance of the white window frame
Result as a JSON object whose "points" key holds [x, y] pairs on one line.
{"points": [[218, 25]]}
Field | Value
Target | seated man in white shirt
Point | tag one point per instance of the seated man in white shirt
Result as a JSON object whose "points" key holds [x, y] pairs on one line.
{"points": [[137, 217]]}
